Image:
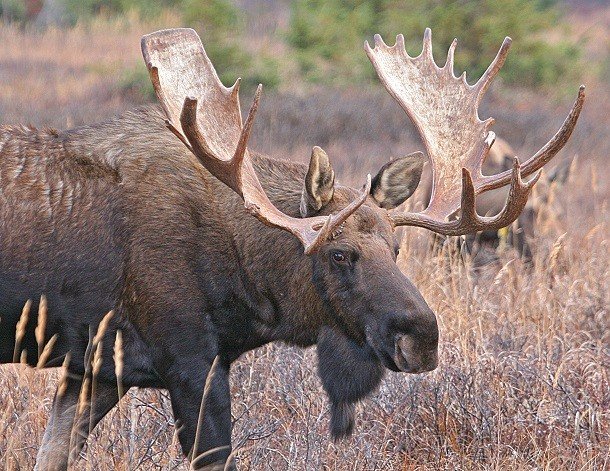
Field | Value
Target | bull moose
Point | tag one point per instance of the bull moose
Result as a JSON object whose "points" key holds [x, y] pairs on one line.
{"points": [[156, 216]]}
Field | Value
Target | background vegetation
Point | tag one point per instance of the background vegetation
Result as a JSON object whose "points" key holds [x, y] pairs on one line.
{"points": [[324, 37], [523, 379]]}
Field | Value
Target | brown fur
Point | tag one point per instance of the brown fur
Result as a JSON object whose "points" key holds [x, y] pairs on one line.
{"points": [[121, 216]]}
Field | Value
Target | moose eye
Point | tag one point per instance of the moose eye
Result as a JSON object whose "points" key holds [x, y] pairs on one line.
{"points": [[339, 257]]}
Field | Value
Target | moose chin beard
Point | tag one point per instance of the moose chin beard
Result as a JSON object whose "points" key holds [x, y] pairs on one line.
{"points": [[349, 372]]}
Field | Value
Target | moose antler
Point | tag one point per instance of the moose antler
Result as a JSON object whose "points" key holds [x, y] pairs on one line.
{"points": [[206, 117], [444, 109]]}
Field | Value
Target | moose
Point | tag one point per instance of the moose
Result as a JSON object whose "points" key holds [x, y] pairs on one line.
{"points": [[202, 249]]}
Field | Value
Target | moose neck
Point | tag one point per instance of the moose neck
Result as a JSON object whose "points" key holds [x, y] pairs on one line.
{"points": [[285, 300]]}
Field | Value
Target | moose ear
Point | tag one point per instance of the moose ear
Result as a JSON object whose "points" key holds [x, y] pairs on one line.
{"points": [[319, 183], [397, 180]]}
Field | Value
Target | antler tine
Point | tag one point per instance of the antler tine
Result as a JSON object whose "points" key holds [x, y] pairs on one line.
{"points": [[235, 88], [197, 144], [211, 127], [241, 148], [546, 153], [493, 69], [515, 202], [400, 42], [444, 109], [450, 57], [379, 42], [427, 45], [227, 171]]}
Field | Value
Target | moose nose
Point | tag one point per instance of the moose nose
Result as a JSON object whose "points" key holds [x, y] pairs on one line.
{"points": [[411, 357]]}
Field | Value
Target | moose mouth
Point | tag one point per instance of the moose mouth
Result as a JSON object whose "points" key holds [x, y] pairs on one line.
{"points": [[388, 361]]}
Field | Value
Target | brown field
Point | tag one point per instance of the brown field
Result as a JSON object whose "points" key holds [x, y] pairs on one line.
{"points": [[523, 380]]}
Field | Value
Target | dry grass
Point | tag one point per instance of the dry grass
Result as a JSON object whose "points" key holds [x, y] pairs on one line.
{"points": [[525, 352]]}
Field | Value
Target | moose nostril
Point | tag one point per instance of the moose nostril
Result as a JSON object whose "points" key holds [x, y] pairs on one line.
{"points": [[404, 345]]}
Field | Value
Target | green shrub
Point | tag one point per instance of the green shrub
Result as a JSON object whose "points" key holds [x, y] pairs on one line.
{"points": [[328, 36], [13, 10]]}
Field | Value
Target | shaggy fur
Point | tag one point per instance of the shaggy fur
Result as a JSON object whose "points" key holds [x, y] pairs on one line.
{"points": [[120, 216]]}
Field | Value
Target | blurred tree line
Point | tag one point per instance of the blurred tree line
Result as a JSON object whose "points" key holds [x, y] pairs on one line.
{"points": [[325, 37]]}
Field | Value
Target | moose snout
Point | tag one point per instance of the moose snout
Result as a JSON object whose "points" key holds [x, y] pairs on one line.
{"points": [[405, 334], [411, 356]]}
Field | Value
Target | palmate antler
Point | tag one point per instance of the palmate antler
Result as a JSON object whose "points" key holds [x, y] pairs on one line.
{"points": [[444, 109], [206, 117]]}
